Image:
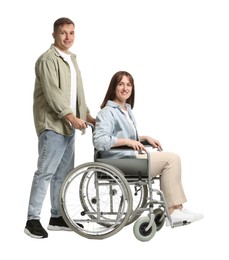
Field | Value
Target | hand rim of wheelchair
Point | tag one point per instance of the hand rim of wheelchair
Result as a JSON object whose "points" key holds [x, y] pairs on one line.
{"points": [[119, 180]]}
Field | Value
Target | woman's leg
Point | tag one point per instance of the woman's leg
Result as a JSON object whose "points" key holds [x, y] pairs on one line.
{"points": [[168, 166]]}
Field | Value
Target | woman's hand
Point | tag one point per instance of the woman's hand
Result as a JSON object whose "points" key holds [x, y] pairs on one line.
{"points": [[135, 145], [155, 143]]}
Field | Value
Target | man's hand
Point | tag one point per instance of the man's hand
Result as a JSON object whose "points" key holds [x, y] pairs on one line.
{"points": [[76, 122]]}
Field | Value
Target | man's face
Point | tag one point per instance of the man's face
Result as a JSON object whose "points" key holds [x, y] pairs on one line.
{"points": [[64, 37]]}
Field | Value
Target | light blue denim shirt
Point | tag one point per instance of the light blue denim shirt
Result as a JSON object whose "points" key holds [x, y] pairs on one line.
{"points": [[112, 124]]}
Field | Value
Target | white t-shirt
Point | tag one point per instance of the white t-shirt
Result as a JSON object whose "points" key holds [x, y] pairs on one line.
{"points": [[130, 121], [68, 59]]}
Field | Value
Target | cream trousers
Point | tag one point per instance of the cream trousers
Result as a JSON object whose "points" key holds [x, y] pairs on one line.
{"points": [[168, 166]]}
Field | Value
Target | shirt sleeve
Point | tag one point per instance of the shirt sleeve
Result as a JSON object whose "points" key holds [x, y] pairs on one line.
{"points": [[103, 135], [54, 96]]}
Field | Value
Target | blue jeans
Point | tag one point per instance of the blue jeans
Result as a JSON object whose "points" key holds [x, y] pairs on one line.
{"points": [[55, 161]]}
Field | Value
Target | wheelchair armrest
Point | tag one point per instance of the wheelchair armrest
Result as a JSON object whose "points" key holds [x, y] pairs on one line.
{"points": [[145, 143], [117, 148], [124, 147]]}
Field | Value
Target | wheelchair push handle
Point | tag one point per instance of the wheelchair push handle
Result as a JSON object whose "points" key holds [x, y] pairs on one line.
{"points": [[90, 125]]}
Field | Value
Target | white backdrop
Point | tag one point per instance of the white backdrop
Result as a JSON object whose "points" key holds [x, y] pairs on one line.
{"points": [[177, 52]]}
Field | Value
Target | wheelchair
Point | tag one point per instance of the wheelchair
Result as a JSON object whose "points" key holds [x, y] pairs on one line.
{"points": [[99, 198]]}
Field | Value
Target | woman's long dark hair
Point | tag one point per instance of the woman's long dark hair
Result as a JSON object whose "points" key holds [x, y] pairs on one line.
{"points": [[115, 80]]}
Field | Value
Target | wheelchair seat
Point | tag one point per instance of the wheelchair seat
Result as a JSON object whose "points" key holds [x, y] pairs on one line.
{"points": [[130, 167]]}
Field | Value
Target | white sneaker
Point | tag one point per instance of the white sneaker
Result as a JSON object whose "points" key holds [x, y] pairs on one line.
{"points": [[183, 216], [197, 216]]}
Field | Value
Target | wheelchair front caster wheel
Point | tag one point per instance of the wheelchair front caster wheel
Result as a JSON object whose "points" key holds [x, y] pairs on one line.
{"points": [[159, 218], [140, 231]]}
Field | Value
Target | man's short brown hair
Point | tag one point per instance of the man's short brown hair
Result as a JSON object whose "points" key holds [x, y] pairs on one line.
{"points": [[62, 21]]}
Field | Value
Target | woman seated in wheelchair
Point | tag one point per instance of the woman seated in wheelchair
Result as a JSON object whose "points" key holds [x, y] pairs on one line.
{"points": [[116, 127]]}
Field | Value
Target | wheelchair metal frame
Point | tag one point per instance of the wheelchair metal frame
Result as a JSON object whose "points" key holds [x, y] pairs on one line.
{"points": [[96, 199]]}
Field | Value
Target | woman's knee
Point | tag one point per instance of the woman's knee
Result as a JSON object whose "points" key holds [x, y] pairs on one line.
{"points": [[174, 157]]}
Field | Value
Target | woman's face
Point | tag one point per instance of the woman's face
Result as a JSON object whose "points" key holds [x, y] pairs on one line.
{"points": [[123, 90]]}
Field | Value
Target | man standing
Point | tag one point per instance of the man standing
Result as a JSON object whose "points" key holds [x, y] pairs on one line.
{"points": [[59, 108]]}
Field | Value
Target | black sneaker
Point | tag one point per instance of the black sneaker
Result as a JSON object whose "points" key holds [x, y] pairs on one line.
{"points": [[57, 224], [34, 229]]}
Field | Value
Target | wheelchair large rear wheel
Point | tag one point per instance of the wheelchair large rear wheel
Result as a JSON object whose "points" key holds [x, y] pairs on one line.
{"points": [[96, 200]]}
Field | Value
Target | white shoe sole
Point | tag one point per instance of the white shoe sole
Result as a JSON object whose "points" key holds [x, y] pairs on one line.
{"points": [[26, 231], [58, 228]]}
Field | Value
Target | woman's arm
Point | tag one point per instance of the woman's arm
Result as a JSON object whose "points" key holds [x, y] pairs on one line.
{"points": [[109, 132]]}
